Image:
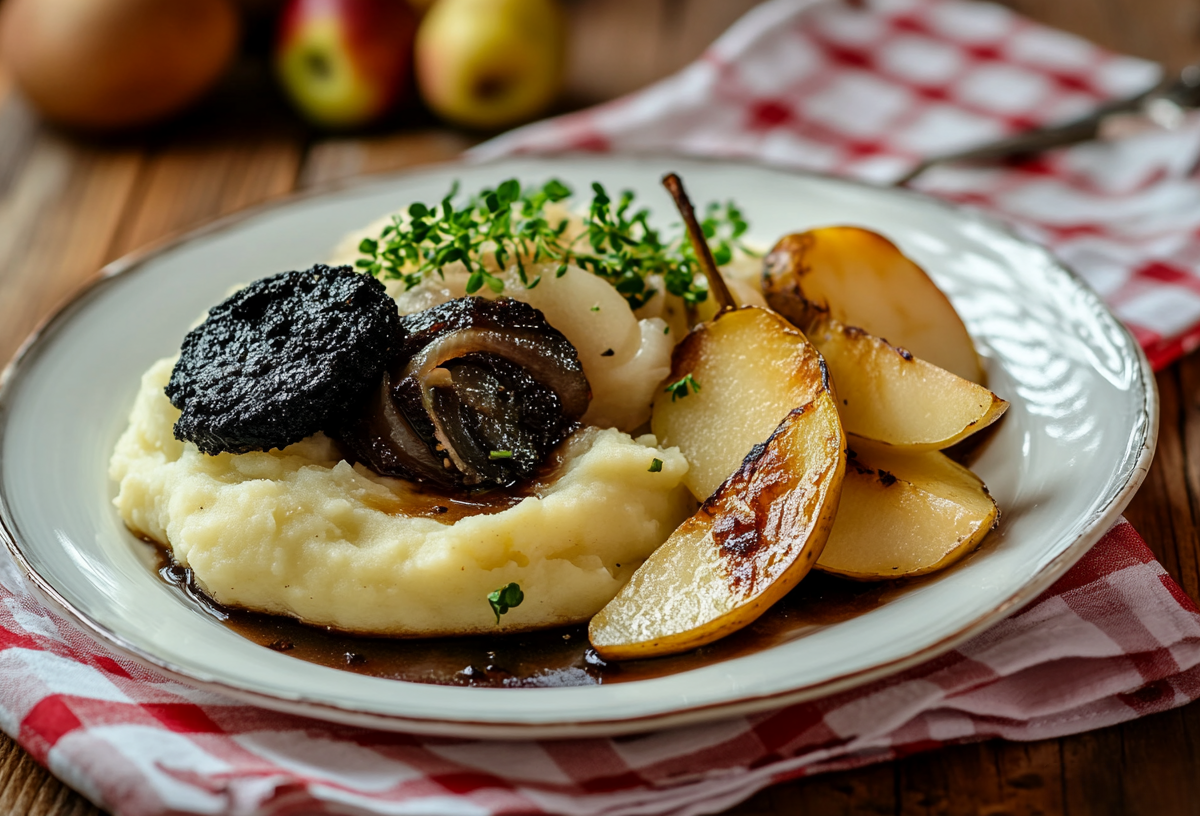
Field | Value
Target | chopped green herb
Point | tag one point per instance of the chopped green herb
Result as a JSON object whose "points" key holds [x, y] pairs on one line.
{"points": [[501, 454], [666, 329], [656, 466], [508, 226], [596, 308], [505, 598], [679, 388]]}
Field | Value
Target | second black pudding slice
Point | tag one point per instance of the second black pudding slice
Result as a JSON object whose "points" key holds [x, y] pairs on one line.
{"points": [[283, 358]]}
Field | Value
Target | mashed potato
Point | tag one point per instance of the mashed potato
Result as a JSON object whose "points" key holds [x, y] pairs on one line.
{"points": [[300, 532]]}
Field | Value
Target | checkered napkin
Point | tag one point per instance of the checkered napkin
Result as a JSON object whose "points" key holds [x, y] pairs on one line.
{"points": [[813, 85]]}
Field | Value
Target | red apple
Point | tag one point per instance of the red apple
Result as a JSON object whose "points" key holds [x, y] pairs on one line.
{"points": [[345, 63]]}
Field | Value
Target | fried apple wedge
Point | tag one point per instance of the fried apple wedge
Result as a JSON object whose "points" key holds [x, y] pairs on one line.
{"points": [[864, 280], [733, 379], [888, 395], [753, 540], [903, 515]]}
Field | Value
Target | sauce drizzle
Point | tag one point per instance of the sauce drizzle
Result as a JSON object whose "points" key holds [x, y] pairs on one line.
{"points": [[549, 658]]}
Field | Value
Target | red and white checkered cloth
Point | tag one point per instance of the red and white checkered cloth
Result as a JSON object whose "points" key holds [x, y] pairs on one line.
{"points": [[817, 85]]}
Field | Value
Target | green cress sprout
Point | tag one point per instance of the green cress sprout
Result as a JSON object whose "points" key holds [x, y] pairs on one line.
{"points": [[510, 223], [679, 388], [505, 598]]}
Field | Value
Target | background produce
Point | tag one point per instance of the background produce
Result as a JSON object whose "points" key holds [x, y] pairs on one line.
{"points": [[112, 65], [490, 63], [116, 63], [344, 63]]}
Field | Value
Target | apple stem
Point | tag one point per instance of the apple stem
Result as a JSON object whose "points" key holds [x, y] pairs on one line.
{"points": [[708, 264]]}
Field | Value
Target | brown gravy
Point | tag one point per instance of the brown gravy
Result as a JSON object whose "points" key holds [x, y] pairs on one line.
{"points": [[556, 657], [410, 499]]}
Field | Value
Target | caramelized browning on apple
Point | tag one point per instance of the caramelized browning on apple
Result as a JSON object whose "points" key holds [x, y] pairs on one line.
{"points": [[888, 395], [862, 279], [743, 550], [905, 514], [748, 369]]}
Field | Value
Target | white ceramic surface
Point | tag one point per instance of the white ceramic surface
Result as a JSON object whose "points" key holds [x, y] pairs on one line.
{"points": [[1066, 459]]}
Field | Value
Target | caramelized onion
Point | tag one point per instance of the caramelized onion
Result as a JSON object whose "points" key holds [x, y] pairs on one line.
{"points": [[478, 395]]}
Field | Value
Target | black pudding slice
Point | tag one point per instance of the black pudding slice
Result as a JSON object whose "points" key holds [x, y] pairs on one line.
{"points": [[285, 357]]}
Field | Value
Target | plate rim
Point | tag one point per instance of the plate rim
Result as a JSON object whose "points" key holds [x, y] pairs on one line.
{"points": [[1101, 520]]}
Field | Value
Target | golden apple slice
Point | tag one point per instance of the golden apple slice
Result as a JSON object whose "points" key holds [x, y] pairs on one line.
{"points": [[862, 279], [749, 368], [904, 514], [888, 395], [743, 550]]}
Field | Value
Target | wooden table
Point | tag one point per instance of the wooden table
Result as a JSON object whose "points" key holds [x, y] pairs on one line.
{"points": [[67, 207]]}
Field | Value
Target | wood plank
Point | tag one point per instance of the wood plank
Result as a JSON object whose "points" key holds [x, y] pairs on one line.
{"points": [[1186, 561], [613, 48], [27, 788], [333, 160], [1092, 779], [869, 791], [1162, 511], [690, 27], [1166, 31], [963, 779], [1158, 766], [57, 220], [183, 187]]}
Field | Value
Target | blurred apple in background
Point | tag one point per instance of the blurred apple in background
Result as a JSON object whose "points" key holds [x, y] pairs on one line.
{"points": [[345, 63], [420, 6], [106, 64], [490, 63]]}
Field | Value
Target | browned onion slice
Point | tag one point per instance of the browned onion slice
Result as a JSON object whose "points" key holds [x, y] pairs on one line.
{"points": [[385, 440], [478, 395]]}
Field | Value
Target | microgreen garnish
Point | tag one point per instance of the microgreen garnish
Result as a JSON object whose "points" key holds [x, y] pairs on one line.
{"points": [[509, 226], [656, 466], [505, 598], [723, 226], [499, 454], [679, 388]]}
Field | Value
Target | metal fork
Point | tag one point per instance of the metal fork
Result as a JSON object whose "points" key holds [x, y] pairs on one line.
{"points": [[1165, 104]]}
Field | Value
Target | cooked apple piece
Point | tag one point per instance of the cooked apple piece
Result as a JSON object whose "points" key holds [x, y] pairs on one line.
{"points": [[905, 514], [888, 395], [864, 280], [743, 550], [732, 381]]}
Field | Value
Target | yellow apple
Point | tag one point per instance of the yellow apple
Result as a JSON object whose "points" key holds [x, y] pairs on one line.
{"points": [[862, 279], [490, 64], [751, 368], [743, 550], [888, 395], [905, 514]]}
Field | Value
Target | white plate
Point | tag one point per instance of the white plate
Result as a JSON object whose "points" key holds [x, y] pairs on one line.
{"points": [[1066, 459]]}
